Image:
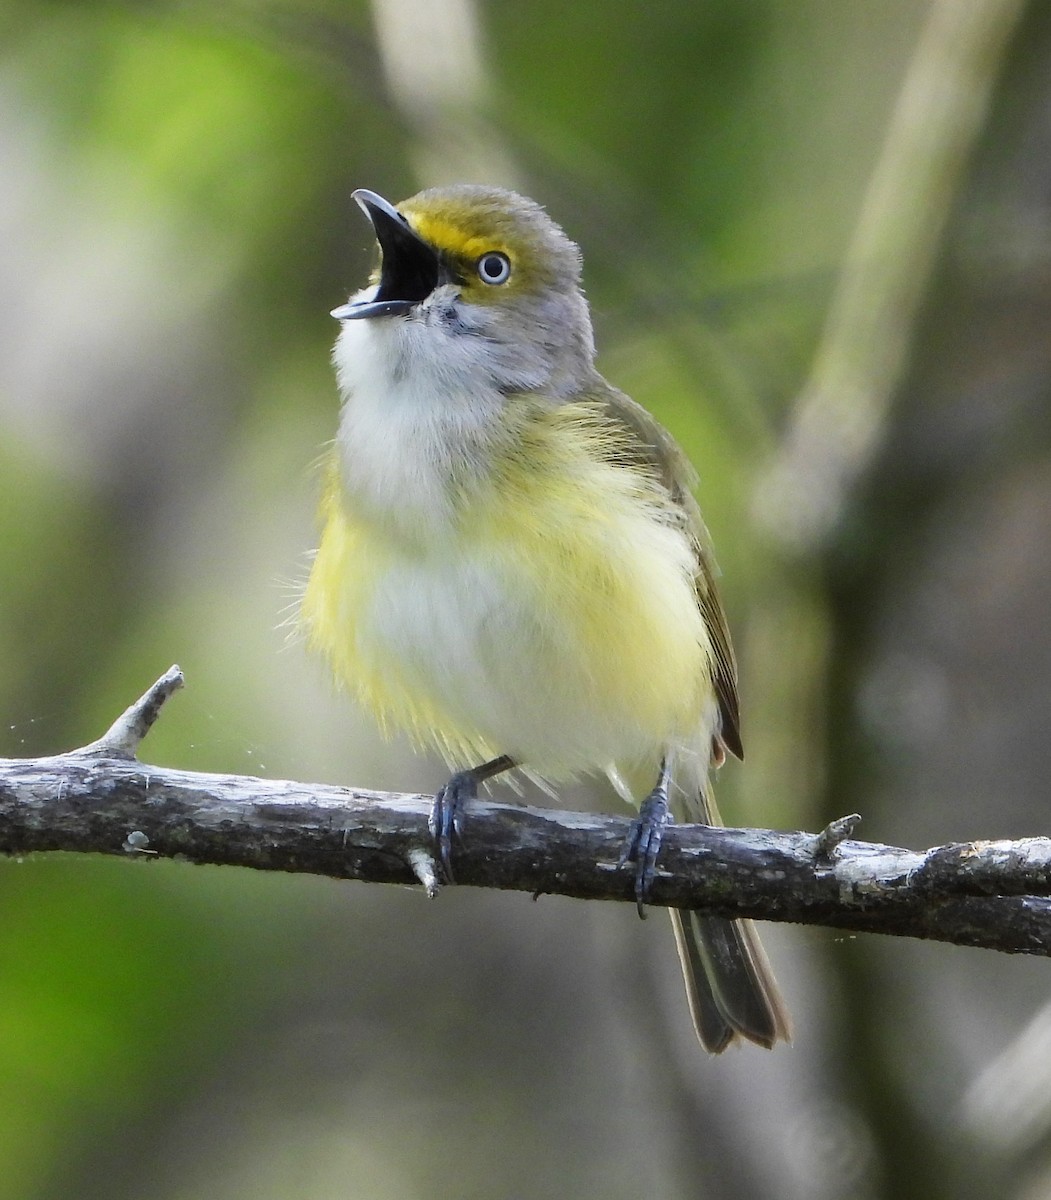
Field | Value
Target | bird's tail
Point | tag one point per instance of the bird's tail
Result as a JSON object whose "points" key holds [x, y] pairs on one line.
{"points": [[731, 987]]}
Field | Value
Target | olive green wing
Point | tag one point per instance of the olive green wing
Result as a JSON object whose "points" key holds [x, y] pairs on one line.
{"points": [[725, 673], [653, 447]]}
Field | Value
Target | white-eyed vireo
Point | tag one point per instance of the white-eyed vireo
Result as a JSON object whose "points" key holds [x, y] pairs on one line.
{"points": [[512, 566]]}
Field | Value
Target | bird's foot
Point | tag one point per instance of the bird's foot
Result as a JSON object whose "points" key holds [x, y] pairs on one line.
{"points": [[643, 843], [447, 811], [446, 816]]}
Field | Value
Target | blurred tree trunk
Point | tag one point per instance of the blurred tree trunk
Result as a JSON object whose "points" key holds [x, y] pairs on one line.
{"points": [[938, 562]]}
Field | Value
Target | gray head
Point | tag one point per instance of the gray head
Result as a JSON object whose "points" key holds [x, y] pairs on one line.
{"points": [[485, 264]]}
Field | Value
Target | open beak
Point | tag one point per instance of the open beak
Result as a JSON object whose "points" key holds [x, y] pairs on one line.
{"points": [[409, 270]]}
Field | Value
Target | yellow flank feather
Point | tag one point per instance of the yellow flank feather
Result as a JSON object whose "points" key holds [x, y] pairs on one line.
{"points": [[558, 624]]}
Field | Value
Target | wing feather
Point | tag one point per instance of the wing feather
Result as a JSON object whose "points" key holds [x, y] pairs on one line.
{"points": [[658, 451]]}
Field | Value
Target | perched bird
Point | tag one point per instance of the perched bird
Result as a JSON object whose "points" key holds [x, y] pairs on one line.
{"points": [[512, 567]]}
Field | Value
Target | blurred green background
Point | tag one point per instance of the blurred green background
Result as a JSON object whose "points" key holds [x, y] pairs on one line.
{"points": [[175, 224]]}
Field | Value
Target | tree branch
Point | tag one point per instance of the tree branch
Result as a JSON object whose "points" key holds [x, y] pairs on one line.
{"points": [[101, 799]]}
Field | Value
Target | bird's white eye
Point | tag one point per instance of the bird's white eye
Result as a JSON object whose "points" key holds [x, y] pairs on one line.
{"points": [[494, 267]]}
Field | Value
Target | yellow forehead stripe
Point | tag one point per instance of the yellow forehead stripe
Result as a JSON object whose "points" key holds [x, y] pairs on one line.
{"points": [[447, 236]]}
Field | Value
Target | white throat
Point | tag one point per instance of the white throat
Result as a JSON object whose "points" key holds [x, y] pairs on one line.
{"points": [[420, 416]]}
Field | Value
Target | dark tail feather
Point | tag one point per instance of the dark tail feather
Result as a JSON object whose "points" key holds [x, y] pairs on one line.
{"points": [[731, 988], [729, 981]]}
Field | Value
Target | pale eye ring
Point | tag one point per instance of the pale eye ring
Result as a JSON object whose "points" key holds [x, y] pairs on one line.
{"points": [[494, 267]]}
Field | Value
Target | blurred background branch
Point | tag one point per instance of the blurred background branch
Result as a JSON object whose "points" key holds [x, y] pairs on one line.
{"points": [[839, 419]]}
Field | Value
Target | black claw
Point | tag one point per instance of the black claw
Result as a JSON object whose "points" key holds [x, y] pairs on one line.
{"points": [[643, 843]]}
